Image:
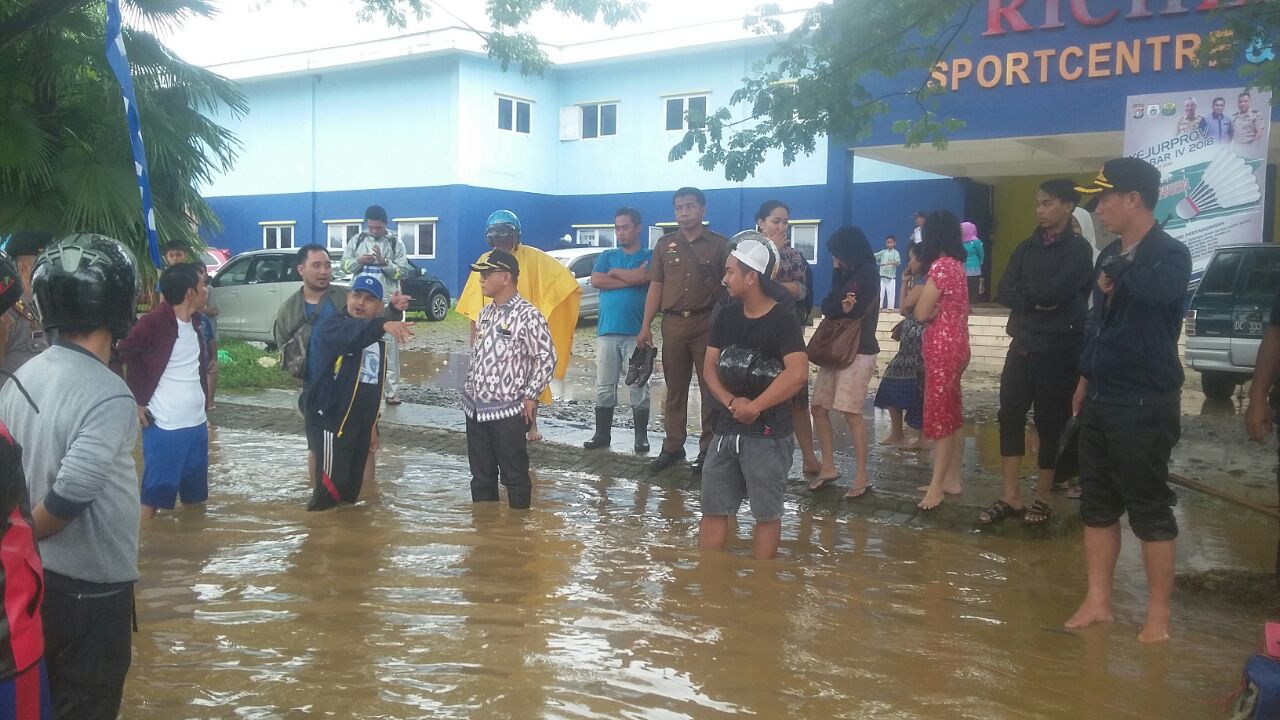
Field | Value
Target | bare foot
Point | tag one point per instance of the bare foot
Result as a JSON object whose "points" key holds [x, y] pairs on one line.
{"points": [[893, 440], [823, 480], [931, 500], [1088, 614], [953, 490], [913, 445], [533, 435], [811, 468], [1154, 633]]}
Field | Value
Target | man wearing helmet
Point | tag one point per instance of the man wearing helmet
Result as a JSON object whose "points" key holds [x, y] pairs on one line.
{"points": [[78, 459], [25, 334], [379, 252], [755, 363], [543, 281]]}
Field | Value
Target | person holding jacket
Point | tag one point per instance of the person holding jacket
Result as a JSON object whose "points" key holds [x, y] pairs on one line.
{"points": [[855, 293], [166, 365], [379, 252], [1046, 288], [343, 401], [1129, 394]]}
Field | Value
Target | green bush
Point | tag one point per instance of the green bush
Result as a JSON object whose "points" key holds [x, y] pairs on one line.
{"points": [[239, 369]]}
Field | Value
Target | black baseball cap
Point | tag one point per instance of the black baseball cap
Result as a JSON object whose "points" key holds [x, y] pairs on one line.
{"points": [[1122, 175], [500, 260], [28, 242]]}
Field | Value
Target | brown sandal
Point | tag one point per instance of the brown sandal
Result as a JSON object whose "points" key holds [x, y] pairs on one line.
{"points": [[999, 511], [1038, 514]]}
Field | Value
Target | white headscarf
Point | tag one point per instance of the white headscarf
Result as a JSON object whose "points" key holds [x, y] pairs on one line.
{"points": [[1083, 217]]}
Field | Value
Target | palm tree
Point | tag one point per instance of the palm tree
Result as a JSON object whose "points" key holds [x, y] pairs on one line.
{"points": [[65, 163]]}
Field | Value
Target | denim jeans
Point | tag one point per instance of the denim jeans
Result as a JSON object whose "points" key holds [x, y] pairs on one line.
{"points": [[613, 354]]}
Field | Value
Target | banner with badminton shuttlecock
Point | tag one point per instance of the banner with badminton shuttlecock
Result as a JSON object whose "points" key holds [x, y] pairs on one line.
{"points": [[1211, 147]]}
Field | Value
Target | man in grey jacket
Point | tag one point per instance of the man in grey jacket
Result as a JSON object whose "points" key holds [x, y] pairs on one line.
{"points": [[78, 429], [379, 252]]}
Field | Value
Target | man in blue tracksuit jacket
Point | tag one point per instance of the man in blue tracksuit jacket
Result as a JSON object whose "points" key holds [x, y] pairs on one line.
{"points": [[343, 400], [1128, 395]]}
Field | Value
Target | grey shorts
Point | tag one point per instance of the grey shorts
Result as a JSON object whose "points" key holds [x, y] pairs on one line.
{"points": [[739, 467]]}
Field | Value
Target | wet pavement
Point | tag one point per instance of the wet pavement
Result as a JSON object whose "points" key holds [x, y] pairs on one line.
{"points": [[597, 604]]}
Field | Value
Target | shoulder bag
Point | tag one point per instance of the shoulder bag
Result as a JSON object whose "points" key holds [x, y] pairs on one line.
{"points": [[835, 343]]}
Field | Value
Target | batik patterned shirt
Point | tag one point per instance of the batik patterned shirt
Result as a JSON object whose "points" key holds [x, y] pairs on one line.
{"points": [[511, 361], [792, 266]]}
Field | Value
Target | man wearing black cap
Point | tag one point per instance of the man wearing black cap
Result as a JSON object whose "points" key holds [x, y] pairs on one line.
{"points": [[379, 252], [512, 360], [1128, 397], [25, 333]]}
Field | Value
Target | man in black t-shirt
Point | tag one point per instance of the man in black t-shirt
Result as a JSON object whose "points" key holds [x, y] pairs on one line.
{"points": [[755, 364]]}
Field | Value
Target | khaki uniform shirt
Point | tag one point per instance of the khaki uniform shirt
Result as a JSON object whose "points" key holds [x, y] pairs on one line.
{"points": [[1247, 126], [1187, 124], [26, 337], [691, 273]]}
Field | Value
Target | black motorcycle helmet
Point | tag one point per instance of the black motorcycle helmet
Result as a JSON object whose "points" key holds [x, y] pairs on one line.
{"points": [[85, 282], [745, 372], [10, 283]]}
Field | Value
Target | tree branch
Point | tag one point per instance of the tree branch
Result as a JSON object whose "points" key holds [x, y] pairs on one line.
{"points": [[34, 15]]}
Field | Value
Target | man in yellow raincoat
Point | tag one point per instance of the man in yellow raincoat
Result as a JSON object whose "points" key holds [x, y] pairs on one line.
{"points": [[543, 281]]}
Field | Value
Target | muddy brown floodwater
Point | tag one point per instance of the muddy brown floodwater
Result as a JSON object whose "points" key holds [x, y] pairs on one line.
{"points": [[597, 604]]}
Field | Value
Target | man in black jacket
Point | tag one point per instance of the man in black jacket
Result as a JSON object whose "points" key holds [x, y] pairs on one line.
{"points": [[1129, 393], [1046, 288], [342, 402]]}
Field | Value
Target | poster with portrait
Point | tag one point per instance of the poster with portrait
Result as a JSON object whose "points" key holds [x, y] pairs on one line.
{"points": [[1211, 146]]}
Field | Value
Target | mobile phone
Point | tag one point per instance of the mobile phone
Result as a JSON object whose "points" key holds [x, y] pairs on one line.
{"points": [[151, 419]]}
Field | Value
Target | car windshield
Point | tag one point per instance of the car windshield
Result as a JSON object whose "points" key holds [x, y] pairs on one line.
{"points": [[208, 259]]}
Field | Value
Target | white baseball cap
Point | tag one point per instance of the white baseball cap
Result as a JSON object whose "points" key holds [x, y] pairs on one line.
{"points": [[756, 252]]}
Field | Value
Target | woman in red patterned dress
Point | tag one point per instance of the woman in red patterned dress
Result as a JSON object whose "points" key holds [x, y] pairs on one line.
{"points": [[944, 305]]}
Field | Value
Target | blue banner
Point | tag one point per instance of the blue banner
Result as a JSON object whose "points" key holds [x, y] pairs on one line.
{"points": [[118, 59]]}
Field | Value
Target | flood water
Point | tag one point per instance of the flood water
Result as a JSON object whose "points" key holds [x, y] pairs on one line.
{"points": [[597, 604]]}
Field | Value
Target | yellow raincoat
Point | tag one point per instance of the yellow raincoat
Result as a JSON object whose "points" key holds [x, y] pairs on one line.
{"points": [[550, 287]]}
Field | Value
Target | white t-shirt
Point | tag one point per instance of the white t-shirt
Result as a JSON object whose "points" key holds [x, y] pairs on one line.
{"points": [[371, 364], [178, 401]]}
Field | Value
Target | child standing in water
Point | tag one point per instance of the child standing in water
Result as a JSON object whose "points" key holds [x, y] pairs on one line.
{"points": [[901, 390]]}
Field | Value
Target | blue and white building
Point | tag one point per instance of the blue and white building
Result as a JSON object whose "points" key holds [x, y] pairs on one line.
{"points": [[430, 128]]}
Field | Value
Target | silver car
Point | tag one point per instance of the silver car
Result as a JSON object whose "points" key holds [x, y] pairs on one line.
{"points": [[249, 290], [580, 262]]}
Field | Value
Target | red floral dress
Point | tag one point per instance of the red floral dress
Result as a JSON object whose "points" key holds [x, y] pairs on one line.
{"points": [[946, 350]]}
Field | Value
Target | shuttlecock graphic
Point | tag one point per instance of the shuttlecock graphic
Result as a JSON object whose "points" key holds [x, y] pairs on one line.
{"points": [[1226, 183]]}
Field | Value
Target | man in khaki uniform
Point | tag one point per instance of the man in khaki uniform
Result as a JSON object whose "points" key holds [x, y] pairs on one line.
{"points": [[685, 277], [1247, 124]]}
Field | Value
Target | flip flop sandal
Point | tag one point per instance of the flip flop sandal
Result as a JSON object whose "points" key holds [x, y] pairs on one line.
{"points": [[1038, 514], [999, 511], [823, 483]]}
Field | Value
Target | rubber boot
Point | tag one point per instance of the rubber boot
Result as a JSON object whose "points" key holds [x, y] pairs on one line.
{"points": [[604, 430], [641, 418], [520, 499]]}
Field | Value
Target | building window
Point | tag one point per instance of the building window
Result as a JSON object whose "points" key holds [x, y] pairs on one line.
{"points": [[339, 232], [418, 236], [680, 108], [599, 120], [277, 236], [655, 234], [603, 237], [513, 115], [804, 237]]}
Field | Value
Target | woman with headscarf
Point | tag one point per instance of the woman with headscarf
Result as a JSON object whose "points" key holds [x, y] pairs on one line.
{"points": [[973, 256], [1082, 223], [855, 293], [773, 219], [944, 305]]}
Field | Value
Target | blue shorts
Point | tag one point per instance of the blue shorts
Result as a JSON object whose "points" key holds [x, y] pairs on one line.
{"points": [[175, 463]]}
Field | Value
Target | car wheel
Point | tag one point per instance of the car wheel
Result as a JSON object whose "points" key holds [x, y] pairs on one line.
{"points": [[1218, 385], [437, 307]]}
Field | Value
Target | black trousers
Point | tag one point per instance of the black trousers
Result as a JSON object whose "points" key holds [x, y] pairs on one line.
{"points": [[87, 638], [1045, 381], [340, 458], [497, 450], [1124, 467]]}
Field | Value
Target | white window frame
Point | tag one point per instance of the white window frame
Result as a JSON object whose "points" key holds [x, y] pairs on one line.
{"points": [[346, 226], [594, 235], [515, 114], [417, 222], [274, 228], [684, 105], [655, 234], [598, 106], [806, 226]]}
